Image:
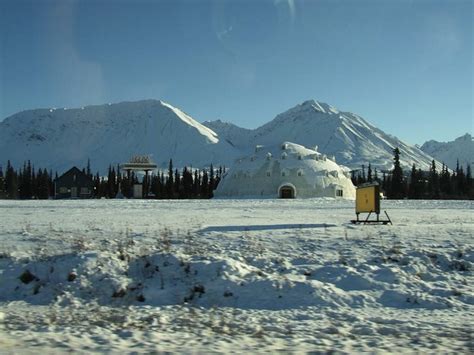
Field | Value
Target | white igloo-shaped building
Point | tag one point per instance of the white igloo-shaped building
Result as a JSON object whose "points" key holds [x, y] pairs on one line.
{"points": [[288, 170]]}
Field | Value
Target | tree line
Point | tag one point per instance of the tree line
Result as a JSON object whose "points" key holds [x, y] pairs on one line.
{"points": [[187, 183], [419, 184], [26, 183]]}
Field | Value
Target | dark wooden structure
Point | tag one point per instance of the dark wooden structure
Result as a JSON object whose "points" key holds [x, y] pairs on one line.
{"points": [[73, 184]]}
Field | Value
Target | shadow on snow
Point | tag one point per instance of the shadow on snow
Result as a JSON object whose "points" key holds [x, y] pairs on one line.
{"points": [[262, 227]]}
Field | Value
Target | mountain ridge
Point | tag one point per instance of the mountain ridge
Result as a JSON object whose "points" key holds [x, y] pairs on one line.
{"points": [[460, 149], [112, 133], [109, 133], [345, 135]]}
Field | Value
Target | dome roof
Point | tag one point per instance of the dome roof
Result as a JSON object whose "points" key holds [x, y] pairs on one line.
{"points": [[306, 171]]}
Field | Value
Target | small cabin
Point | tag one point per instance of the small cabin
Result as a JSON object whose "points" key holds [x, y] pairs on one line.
{"points": [[73, 184]]}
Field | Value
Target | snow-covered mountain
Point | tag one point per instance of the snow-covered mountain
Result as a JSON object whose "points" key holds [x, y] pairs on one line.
{"points": [[236, 136], [347, 136], [461, 149], [60, 138], [112, 133]]}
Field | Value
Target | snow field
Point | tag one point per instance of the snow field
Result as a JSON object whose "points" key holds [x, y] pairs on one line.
{"points": [[234, 275]]}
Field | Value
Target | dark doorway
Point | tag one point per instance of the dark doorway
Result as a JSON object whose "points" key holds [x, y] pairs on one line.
{"points": [[287, 192]]}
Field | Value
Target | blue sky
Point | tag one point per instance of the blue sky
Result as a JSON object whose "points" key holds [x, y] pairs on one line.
{"points": [[406, 66]]}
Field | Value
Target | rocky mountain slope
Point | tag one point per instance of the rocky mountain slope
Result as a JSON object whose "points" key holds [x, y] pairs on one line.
{"points": [[461, 149]]}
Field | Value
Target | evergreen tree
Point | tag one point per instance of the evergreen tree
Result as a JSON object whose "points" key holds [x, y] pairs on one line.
{"points": [[52, 192], [118, 179], [445, 182], [187, 183], [11, 182], [2, 184], [204, 185], [177, 184], [212, 182], [416, 186], [111, 189], [422, 183], [26, 183], [412, 193], [169, 181], [376, 175], [433, 181], [97, 187], [469, 183], [397, 185], [34, 183], [353, 177], [126, 186], [369, 173], [88, 170], [218, 177], [43, 184], [361, 179], [461, 184], [162, 186], [196, 184], [155, 185]]}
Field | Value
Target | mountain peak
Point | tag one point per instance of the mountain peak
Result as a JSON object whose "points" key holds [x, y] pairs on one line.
{"points": [[459, 150], [466, 137], [318, 106]]}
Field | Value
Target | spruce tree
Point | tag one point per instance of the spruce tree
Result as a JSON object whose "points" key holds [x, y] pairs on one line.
{"points": [[2, 183], [187, 183], [353, 177], [445, 182], [27, 182], [97, 190], [212, 182], [469, 183], [177, 184], [204, 185], [169, 181], [461, 183], [43, 184], [155, 185], [88, 170], [162, 186], [11, 182], [126, 186], [412, 187], [397, 186], [433, 181], [369, 173], [52, 185], [196, 184]]}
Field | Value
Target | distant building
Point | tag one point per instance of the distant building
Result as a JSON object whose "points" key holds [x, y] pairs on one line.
{"points": [[139, 163], [286, 171], [73, 184]]}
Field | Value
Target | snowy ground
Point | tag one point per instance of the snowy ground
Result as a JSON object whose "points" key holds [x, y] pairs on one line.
{"points": [[227, 275]]}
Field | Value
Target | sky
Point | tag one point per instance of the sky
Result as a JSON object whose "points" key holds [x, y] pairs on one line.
{"points": [[404, 65]]}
